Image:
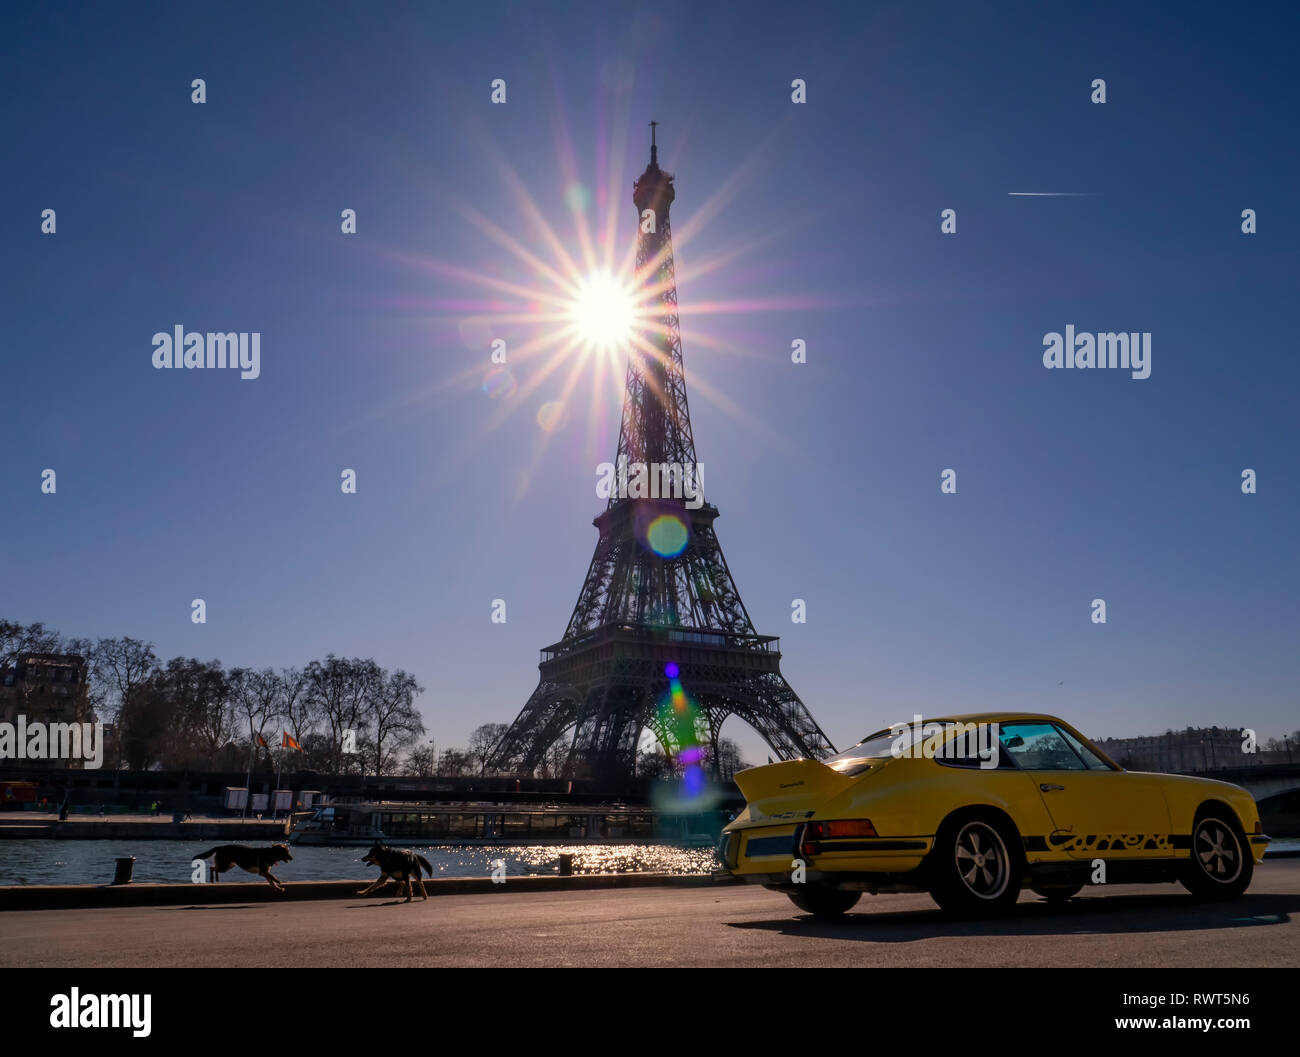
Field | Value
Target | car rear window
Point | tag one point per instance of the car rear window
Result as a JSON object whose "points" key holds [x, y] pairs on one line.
{"points": [[857, 759]]}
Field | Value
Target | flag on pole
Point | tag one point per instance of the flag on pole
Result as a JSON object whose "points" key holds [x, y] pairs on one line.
{"points": [[288, 742], [261, 741]]}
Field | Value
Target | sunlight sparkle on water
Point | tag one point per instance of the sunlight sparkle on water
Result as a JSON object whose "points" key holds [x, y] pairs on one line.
{"points": [[166, 861]]}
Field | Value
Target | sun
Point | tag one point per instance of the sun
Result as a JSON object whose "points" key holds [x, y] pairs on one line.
{"points": [[603, 313], [572, 307]]}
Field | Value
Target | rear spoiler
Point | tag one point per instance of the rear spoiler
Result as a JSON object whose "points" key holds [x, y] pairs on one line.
{"points": [[781, 787]]}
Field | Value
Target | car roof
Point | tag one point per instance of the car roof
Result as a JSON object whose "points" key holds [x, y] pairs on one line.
{"points": [[988, 717], [1006, 717]]}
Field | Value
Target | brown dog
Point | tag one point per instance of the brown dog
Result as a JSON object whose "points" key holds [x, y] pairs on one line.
{"points": [[254, 860], [399, 864]]}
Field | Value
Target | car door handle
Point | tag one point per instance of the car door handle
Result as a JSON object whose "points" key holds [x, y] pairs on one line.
{"points": [[1052, 788]]}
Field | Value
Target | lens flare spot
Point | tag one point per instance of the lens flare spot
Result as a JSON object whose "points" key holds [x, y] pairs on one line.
{"points": [[551, 416], [667, 535], [577, 197], [686, 726], [499, 383]]}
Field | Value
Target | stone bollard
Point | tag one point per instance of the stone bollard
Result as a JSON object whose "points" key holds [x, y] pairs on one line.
{"points": [[124, 867], [566, 865]]}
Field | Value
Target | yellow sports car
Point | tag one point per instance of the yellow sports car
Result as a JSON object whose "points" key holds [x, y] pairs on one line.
{"points": [[971, 808]]}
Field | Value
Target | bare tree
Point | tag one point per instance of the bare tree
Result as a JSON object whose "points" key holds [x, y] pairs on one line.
{"points": [[212, 710], [340, 688], [555, 759], [204, 695], [181, 716], [120, 667], [317, 753], [655, 762], [730, 759], [481, 741], [148, 725], [296, 705], [455, 763], [423, 760], [15, 640], [257, 695], [392, 711]]}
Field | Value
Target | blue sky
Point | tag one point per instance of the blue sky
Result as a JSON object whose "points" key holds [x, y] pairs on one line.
{"points": [[818, 222]]}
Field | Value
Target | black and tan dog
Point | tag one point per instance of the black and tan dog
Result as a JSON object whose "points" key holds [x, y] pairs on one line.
{"points": [[398, 864], [254, 860]]}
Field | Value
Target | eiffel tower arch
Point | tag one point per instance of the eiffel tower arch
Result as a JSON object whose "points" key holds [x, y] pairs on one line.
{"points": [[659, 638]]}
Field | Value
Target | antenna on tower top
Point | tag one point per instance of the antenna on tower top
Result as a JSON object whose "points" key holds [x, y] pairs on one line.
{"points": [[654, 150]]}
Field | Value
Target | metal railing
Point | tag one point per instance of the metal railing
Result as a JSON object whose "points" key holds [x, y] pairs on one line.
{"points": [[655, 634]]}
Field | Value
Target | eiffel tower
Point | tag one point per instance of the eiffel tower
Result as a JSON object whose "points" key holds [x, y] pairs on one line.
{"points": [[658, 618]]}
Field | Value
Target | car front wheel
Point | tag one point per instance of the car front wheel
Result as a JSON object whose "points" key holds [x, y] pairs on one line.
{"points": [[974, 866], [1220, 866]]}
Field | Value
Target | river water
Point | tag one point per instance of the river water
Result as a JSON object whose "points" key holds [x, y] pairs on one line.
{"points": [[92, 861]]}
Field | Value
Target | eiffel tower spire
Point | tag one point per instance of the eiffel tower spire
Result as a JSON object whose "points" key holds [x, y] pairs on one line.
{"points": [[656, 423], [658, 621]]}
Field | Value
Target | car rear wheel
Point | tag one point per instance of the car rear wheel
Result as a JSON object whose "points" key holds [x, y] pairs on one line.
{"points": [[1059, 896], [974, 867], [823, 902], [1220, 866]]}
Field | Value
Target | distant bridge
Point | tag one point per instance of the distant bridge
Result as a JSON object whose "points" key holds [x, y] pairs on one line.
{"points": [[1265, 780], [1275, 787]]}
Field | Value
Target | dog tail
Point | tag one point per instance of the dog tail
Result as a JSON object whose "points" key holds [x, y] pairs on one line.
{"points": [[206, 854], [425, 863]]}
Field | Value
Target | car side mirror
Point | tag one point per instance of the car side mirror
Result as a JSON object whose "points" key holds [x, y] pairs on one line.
{"points": [[1014, 742]]}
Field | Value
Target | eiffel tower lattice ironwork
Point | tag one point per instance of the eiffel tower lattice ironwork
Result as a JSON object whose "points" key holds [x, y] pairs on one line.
{"points": [[650, 616]]}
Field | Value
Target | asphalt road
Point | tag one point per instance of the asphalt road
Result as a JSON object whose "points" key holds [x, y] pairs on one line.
{"points": [[1135, 925]]}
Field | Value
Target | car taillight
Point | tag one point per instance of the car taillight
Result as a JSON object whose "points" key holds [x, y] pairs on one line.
{"points": [[813, 832], [860, 827]]}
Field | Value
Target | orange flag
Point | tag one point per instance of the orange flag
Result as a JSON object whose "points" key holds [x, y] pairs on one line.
{"points": [[288, 742]]}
